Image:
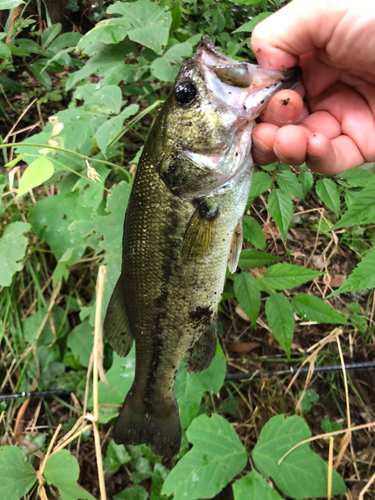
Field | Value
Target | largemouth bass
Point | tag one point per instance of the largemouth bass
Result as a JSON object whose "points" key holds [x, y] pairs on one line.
{"points": [[182, 227]]}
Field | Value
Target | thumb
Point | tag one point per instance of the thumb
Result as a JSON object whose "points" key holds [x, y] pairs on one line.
{"points": [[296, 29]]}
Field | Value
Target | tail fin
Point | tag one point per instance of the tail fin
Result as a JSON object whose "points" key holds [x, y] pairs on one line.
{"points": [[156, 424]]}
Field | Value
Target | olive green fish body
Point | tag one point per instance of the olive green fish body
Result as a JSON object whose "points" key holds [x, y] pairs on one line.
{"points": [[181, 226]]}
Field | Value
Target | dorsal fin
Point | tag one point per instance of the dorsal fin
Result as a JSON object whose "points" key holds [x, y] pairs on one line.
{"points": [[116, 326]]}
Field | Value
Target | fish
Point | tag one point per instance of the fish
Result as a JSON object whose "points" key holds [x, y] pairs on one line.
{"points": [[182, 228]]}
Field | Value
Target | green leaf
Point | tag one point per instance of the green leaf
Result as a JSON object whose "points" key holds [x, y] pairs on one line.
{"points": [[62, 470], [307, 180], [4, 51], [116, 455], [81, 341], [281, 209], [252, 232], [328, 426], [38, 172], [280, 318], [106, 100], [254, 487], [247, 293], [288, 182], [362, 210], [12, 249], [51, 218], [190, 388], [17, 477], [285, 276], [326, 189], [216, 457], [40, 75], [251, 259], [132, 493], [10, 4], [150, 24], [166, 67], [363, 275], [120, 378], [250, 25], [312, 308], [66, 40], [357, 177], [301, 474], [260, 183], [308, 399], [50, 34], [110, 128]]}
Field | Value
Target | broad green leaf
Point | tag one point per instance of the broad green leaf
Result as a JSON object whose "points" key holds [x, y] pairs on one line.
{"points": [[326, 189], [81, 341], [110, 128], [216, 457], [149, 23], [10, 4], [116, 455], [10, 85], [17, 477], [190, 388], [307, 180], [4, 51], [312, 308], [120, 378], [159, 476], [250, 25], [166, 67], [251, 259], [254, 487], [106, 100], [280, 318], [363, 275], [132, 493], [38, 172], [62, 470], [308, 399], [260, 183], [12, 249], [301, 474], [328, 426], [285, 276], [252, 232], [362, 210], [50, 34], [281, 208], [108, 31], [247, 293], [50, 219], [288, 182], [357, 177], [66, 40], [40, 75]]}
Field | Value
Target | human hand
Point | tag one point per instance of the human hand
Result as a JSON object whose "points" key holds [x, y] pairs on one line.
{"points": [[329, 120]]}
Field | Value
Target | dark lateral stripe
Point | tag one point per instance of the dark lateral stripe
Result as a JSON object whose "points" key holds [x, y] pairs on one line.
{"points": [[169, 258]]}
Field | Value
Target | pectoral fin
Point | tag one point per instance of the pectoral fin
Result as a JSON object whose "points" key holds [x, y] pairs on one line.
{"points": [[235, 248], [116, 325], [201, 354], [200, 232]]}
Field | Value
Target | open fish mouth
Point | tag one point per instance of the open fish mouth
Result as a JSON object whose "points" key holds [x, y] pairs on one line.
{"points": [[239, 84]]}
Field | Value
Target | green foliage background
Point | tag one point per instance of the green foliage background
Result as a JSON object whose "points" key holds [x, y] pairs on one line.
{"points": [[115, 76]]}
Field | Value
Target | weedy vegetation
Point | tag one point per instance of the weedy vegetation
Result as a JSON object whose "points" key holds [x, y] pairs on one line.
{"points": [[75, 110]]}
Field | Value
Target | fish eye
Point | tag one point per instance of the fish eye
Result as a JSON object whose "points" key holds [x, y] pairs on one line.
{"points": [[185, 93]]}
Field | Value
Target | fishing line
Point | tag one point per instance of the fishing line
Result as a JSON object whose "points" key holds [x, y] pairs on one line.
{"points": [[364, 365]]}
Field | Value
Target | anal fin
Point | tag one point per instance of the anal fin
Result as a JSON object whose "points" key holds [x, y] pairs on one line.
{"points": [[116, 326], [235, 248]]}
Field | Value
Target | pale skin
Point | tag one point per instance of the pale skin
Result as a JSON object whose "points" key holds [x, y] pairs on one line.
{"points": [[328, 121]]}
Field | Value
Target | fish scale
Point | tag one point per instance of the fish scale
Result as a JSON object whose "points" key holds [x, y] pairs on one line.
{"points": [[182, 225]]}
